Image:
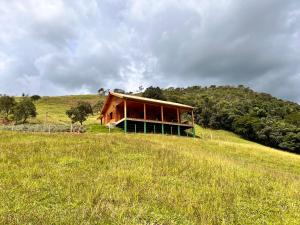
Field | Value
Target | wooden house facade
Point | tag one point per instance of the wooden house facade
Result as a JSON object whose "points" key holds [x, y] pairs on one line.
{"points": [[138, 114]]}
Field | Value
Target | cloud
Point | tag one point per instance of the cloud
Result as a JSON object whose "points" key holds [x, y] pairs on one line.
{"points": [[58, 47]]}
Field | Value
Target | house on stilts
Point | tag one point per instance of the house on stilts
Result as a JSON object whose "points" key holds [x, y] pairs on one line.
{"points": [[138, 114]]}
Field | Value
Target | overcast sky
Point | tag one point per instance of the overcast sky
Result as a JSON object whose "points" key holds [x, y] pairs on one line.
{"points": [[67, 47]]}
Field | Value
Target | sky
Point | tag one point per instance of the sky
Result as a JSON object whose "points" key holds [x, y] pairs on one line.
{"points": [[64, 47]]}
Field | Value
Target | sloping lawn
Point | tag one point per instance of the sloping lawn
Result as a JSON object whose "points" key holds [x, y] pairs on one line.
{"points": [[145, 179]]}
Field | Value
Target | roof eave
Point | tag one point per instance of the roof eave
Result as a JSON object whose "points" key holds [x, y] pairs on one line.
{"points": [[143, 100], [151, 100]]}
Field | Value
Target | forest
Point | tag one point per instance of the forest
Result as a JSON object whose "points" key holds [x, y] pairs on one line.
{"points": [[255, 116]]}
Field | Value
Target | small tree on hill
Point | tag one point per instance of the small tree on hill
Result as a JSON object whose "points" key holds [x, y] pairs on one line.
{"points": [[141, 88], [118, 90], [24, 110], [101, 92], [154, 92], [6, 105], [35, 97], [80, 112]]}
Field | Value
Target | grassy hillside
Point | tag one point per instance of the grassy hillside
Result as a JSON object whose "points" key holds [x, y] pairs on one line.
{"points": [[145, 179], [254, 116], [56, 108]]}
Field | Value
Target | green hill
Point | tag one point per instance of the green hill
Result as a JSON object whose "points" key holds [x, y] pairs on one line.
{"points": [[55, 108], [117, 178], [218, 178], [255, 116]]}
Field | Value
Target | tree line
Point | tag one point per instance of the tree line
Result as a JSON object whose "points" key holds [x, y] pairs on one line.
{"points": [[255, 116]]}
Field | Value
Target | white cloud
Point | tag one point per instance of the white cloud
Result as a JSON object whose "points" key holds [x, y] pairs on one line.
{"points": [[64, 46]]}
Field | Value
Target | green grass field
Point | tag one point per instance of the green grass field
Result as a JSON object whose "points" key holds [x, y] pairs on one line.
{"points": [[117, 178], [145, 179]]}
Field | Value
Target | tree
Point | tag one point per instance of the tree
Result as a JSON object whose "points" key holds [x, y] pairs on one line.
{"points": [[35, 97], [141, 88], [24, 110], [6, 105], [291, 142], [118, 90], [154, 92], [293, 118], [247, 126], [101, 92], [80, 112]]}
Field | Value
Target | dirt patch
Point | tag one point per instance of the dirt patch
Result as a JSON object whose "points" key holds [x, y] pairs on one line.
{"points": [[4, 122]]}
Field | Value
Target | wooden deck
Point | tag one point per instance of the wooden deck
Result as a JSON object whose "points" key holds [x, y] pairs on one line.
{"points": [[156, 121]]}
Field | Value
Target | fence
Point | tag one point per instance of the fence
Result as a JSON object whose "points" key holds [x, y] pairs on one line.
{"points": [[37, 128]]}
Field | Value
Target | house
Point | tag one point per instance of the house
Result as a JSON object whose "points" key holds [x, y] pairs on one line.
{"points": [[137, 114]]}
